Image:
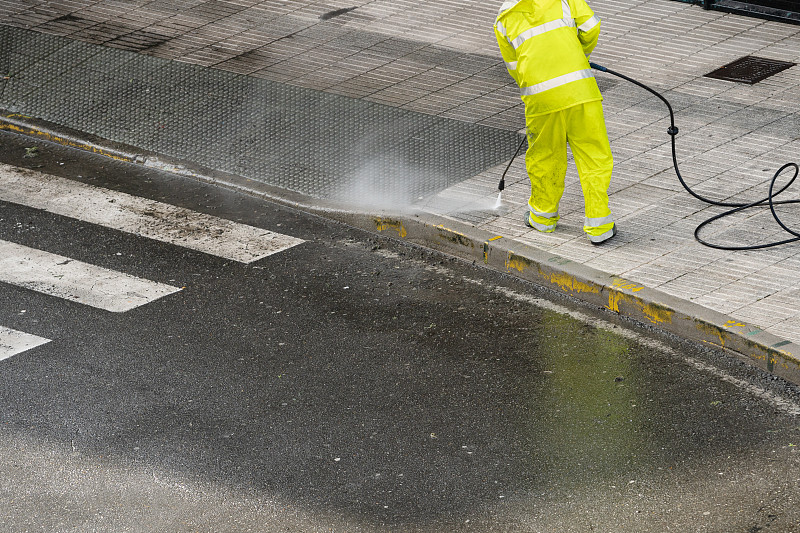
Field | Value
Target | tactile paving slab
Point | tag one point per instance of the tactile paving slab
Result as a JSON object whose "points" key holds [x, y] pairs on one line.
{"points": [[319, 144]]}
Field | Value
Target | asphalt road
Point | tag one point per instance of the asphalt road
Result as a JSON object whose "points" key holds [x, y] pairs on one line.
{"points": [[353, 383]]}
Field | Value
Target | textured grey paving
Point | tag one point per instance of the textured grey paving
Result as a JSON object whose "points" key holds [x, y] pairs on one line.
{"points": [[439, 58], [319, 144]]}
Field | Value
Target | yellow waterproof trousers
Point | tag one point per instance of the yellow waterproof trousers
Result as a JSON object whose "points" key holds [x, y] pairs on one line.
{"points": [[584, 128]]}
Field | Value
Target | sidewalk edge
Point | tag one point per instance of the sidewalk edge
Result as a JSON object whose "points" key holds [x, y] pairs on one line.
{"points": [[681, 317]]}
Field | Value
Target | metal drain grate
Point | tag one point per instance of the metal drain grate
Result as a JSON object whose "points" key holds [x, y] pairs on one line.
{"points": [[749, 69]]}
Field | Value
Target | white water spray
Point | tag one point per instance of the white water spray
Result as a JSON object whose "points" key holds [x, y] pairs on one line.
{"points": [[499, 203]]}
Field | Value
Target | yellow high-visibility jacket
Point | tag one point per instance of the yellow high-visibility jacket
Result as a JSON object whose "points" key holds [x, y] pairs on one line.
{"points": [[546, 45]]}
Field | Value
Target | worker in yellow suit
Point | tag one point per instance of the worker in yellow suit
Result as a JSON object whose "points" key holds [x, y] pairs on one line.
{"points": [[546, 45]]}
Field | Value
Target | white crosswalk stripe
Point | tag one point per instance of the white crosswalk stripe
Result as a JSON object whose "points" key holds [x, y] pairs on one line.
{"points": [[75, 280], [99, 287], [140, 216], [14, 342]]}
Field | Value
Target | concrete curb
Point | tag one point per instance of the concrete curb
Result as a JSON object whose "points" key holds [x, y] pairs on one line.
{"points": [[619, 295], [627, 298]]}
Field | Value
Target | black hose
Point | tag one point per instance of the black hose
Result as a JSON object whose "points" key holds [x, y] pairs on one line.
{"points": [[769, 200]]}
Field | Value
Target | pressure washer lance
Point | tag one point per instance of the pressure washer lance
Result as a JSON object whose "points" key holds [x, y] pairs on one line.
{"points": [[672, 131], [502, 184]]}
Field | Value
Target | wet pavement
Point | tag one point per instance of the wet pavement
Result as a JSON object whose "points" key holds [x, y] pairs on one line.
{"points": [[318, 144], [412, 104], [358, 383]]}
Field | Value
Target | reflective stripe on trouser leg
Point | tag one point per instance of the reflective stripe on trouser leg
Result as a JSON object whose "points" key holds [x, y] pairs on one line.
{"points": [[548, 227], [588, 140], [546, 163], [590, 225]]}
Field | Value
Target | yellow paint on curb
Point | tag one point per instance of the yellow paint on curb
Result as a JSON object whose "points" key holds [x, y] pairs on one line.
{"points": [[569, 284], [455, 237], [565, 281], [383, 225], [62, 141], [517, 262], [655, 313], [620, 283], [712, 330], [614, 298], [486, 248], [733, 324]]}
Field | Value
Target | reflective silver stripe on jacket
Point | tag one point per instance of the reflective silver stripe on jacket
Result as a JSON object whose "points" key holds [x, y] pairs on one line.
{"points": [[511, 65], [589, 25], [557, 82], [506, 6], [566, 21], [538, 30], [501, 29], [597, 222], [566, 12]]}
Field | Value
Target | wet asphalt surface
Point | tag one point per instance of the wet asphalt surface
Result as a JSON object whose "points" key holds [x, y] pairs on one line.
{"points": [[353, 383]]}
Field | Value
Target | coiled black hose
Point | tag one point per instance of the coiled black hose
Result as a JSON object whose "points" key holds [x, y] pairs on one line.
{"points": [[769, 200]]}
